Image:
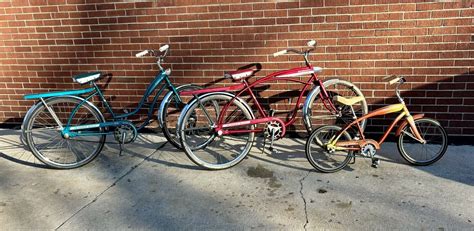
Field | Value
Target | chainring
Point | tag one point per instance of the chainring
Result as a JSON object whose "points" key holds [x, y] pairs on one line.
{"points": [[125, 134], [273, 128]]}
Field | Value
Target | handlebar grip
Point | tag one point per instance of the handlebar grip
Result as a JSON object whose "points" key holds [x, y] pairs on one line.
{"points": [[141, 54], [394, 80], [164, 47], [279, 53], [311, 43]]}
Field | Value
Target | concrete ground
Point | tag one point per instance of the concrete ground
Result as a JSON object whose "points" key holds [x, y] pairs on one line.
{"points": [[152, 186]]}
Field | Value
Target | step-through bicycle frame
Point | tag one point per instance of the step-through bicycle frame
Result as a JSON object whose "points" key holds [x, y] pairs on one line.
{"points": [[119, 119], [356, 145]]}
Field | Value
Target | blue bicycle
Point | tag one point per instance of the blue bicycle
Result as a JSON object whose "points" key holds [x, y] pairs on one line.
{"points": [[66, 130]]}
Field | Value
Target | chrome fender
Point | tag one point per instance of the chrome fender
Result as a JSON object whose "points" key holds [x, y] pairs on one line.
{"points": [[308, 103], [168, 95], [37, 104], [193, 101], [22, 127]]}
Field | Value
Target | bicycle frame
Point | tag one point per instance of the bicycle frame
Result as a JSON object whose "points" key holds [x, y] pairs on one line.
{"points": [[356, 145], [245, 87], [120, 119]]}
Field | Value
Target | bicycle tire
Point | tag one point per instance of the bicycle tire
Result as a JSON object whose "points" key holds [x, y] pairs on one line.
{"points": [[170, 113], [435, 137], [209, 150], [318, 115], [70, 156], [319, 157]]}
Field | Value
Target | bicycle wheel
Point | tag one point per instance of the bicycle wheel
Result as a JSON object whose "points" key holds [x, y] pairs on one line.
{"points": [[417, 153], [201, 142], [319, 114], [43, 134], [317, 154], [171, 110]]}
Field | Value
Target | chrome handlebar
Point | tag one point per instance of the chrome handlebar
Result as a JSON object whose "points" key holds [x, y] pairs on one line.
{"points": [[158, 54]]}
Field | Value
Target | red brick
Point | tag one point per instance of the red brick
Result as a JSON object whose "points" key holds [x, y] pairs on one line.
{"points": [[445, 14]]}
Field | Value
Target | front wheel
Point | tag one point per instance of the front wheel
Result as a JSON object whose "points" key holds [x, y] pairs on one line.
{"points": [[324, 159], [417, 153], [200, 140], [171, 109], [43, 134], [318, 112]]}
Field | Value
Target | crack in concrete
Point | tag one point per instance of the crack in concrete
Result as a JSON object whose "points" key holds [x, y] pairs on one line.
{"points": [[112, 185], [304, 200]]}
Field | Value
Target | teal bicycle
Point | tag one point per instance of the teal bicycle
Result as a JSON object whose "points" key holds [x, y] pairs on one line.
{"points": [[66, 130]]}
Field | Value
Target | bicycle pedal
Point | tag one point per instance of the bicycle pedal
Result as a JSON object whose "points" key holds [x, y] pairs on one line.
{"points": [[353, 160], [375, 162]]}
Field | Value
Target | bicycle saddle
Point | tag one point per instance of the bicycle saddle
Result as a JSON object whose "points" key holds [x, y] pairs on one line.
{"points": [[239, 74], [86, 77], [348, 101]]}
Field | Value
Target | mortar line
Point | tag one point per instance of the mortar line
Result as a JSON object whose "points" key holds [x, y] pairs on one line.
{"points": [[112, 185], [304, 200]]}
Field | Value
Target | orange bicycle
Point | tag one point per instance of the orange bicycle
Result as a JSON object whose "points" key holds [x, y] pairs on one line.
{"points": [[422, 141]]}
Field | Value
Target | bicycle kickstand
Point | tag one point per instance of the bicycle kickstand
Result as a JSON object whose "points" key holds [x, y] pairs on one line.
{"points": [[122, 142]]}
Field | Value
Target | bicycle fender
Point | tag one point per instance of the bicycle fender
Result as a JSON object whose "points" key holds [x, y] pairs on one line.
{"points": [[27, 115], [165, 99], [79, 98], [405, 122], [308, 103], [193, 101]]}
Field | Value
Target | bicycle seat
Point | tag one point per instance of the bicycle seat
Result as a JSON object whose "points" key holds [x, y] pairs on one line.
{"points": [[239, 74], [86, 77], [348, 101]]}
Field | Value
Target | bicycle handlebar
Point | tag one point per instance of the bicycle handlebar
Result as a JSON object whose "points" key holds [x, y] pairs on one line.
{"points": [[311, 43], [162, 49], [396, 79], [142, 53], [279, 53]]}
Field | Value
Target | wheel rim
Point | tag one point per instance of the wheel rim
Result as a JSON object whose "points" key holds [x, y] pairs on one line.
{"points": [[202, 143], [417, 152], [318, 154], [320, 115], [48, 143], [171, 114]]}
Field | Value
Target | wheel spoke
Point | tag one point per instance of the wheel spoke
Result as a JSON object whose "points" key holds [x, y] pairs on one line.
{"points": [[44, 137]]}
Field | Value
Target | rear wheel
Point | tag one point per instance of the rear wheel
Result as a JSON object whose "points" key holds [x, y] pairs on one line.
{"points": [[200, 140], [319, 156], [319, 114], [43, 134], [417, 153]]}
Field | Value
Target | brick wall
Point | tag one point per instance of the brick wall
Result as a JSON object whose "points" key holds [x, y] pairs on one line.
{"points": [[43, 44]]}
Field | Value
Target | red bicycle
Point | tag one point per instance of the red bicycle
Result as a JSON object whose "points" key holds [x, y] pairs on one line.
{"points": [[217, 128]]}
